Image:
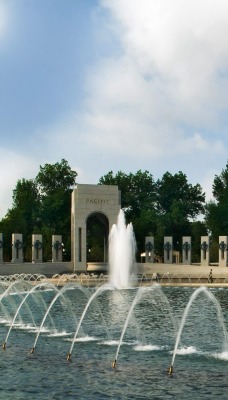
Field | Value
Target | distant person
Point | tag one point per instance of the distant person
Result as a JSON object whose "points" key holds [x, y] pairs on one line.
{"points": [[210, 277]]}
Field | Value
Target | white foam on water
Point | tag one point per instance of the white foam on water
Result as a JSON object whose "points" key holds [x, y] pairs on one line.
{"points": [[111, 342], [148, 347], [187, 350], [221, 356], [116, 342], [83, 339], [26, 327], [60, 334], [5, 321]]}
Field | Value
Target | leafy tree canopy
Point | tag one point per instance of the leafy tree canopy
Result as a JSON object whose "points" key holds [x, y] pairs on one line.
{"points": [[178, 197], [53, 177], [220, 186], [42, 206], [138, 191], [165, 207], [216, 216]]}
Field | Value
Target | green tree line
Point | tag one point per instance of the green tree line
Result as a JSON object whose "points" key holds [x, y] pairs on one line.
{"points": [[169, 206], [41, 206]]}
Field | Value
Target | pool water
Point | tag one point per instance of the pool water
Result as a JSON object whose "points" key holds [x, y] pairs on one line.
{"points": [[145, 354]]}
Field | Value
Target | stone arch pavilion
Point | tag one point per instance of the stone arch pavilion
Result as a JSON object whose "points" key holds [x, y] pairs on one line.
{"points": [[89, 200]]}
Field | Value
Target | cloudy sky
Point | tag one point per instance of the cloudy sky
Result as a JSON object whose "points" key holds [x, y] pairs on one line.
{"points": [[113, 85]]}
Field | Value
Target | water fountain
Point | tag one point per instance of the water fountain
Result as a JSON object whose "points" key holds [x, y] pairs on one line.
{"points": [[122, 248], [146, 328], [220, 319]]}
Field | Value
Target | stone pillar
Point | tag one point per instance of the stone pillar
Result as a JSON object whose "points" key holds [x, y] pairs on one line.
{"points": [[1, 247], [186, 250], [149, 249], [57, 248], [223, 251], [205, 253], [17, 248], [37, 248], [168, 250]]}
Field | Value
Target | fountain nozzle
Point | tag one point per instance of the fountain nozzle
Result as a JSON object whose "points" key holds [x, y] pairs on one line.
{"points": [[170, 370], [69, 357], [114, 364], [32, 350], [4, 346]]}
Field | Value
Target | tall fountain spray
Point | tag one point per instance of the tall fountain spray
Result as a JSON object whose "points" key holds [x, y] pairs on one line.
{"points": [[122, 248]]}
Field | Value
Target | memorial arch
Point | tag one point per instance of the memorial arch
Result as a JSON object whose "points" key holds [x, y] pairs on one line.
{"points": [[99, 203]]}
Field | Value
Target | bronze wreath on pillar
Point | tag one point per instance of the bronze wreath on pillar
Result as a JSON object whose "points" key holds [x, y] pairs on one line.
{"points": [[204, 246], [18, 244], [38, 245], [149, 246], [57, 245]]}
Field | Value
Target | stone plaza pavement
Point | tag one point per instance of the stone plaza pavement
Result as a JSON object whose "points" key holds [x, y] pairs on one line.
{"points": [[180, 269], [184, 275]]}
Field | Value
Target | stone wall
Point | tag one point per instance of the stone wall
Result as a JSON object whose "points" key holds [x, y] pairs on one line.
{"points": [[47, 269]]}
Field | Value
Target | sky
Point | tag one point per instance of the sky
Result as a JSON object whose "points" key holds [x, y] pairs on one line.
{"points": [[113, 85]]}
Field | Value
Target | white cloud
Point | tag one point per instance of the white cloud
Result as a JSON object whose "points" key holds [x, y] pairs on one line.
{"points": [[171, 73], [181, 47], [197, 142], [158, 103]]}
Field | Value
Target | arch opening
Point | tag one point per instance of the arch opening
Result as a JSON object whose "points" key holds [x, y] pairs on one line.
{"points": [[97, 232]]}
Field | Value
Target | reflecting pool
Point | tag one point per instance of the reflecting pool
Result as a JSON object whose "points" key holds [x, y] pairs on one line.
{"points": [[138, 328]]}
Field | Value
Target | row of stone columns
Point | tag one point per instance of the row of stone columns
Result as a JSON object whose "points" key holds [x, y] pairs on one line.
{"points": [[187, 250], [37, 248]]}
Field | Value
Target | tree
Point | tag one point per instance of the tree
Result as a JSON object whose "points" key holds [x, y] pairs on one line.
{"points": [[23, 217], [178, 197], [179, 203], [220, 186], [216, 216], [138, 191], [165, 207], [198, 229], [41, 206], [55, 183], [138, 199], [56, 177]]}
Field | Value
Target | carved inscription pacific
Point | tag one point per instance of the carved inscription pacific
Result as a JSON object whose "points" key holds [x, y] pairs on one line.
{"points": [[97, 201]]}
